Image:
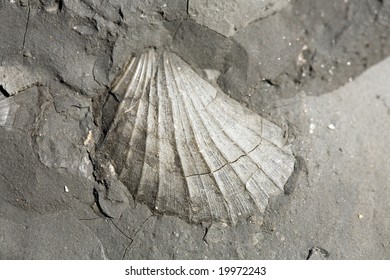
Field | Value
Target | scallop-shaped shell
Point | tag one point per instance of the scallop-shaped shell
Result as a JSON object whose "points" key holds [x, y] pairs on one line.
{"points": [[185, 148], [8, 109]]}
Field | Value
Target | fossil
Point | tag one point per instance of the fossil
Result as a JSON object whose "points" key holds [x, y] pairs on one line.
{"points": [[184, 148], [8, 109]]}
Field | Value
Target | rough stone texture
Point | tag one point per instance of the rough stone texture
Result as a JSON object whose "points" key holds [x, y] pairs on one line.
{"points": [[337, 209], [34, 223], [49, 238], [340, 197], [306, 48], [336, 204], [226, 17]]}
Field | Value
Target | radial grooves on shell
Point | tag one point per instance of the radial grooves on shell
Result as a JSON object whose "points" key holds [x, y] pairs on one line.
{"points": [[8, 109], [185, 148]]}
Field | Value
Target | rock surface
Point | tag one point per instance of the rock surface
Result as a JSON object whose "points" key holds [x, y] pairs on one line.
{"points": [[303, 66], [229, 16]]}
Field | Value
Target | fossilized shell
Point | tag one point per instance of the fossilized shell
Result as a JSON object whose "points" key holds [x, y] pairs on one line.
{"points": [[185, 148], [8, 109]]}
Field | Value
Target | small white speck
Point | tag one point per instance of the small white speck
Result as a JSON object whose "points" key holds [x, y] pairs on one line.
{"points": [[89, 138], [322, 65], [289, 43], [360, 216], [349, 63], [111, 168], [284, 37], [278, 58], [66, 189], [350, 79], [331, 126], [312, 126]]}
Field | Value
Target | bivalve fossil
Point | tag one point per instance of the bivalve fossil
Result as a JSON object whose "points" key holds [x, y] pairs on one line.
{"points": [[184, 148]]}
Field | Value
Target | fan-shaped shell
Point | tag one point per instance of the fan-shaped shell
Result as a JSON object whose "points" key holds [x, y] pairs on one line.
{"points": [[185, 148], [8, 109]]}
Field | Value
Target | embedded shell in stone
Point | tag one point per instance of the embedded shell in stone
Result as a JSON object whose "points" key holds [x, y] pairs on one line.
{"points": [[8, 109], [184, 148]]}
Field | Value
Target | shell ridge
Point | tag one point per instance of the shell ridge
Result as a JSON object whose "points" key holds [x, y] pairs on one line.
{"points": [[266, 189], [182, 150], [131, 89], [283, 150], [273, 134], [227, 189], [115, 128], [220, 115], [216, 202], [239, 201], [255, 187], [257, 146], [190, 107], [140, 90], [227, 103], [202, 137], [289, 161], [4, 111], [265, 160], [226, 138], [216, 139], [151, 148], [185, 148], [204, 84], [137, 145], [235, 130], [178, 120], [244, 154], [169, 170], [8, 108], [121, 78], [122, 125], [135, 109]]}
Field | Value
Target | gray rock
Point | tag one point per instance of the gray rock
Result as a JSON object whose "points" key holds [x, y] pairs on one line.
{"points": [[12, 240], [61, 236], [227, 17], [340, 201], [334, 203]]}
